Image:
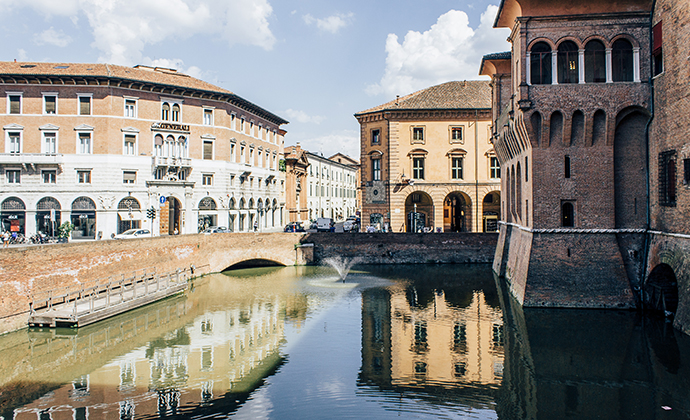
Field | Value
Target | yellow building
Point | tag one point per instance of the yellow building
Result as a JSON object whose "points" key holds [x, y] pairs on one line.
{"points": [[427, 162]]}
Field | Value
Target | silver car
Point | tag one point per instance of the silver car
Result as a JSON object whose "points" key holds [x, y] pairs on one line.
{"points": [[133, 233]]}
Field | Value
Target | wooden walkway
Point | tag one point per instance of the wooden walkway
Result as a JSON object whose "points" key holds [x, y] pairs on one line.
{"points": [[87, 304]]}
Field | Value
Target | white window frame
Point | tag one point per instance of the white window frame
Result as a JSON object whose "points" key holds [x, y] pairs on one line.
{"points": [[412, 130], [84, 95], [47, 171], [46, 94], [208, 111], [204, 178], [78, 149], [44, 135], [498, 167], [78, 171], [213, 152], [13, 170], [451, 140], [8, 143], [135, 149], [135, 108], [127, 171], [171, 102], [21, 102]]}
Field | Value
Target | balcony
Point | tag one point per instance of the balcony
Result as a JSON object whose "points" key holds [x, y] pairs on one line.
{"points": [[31, 160], [164, 161]]}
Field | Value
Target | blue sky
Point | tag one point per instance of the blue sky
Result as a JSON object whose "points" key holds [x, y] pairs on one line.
{"points": [[312, 62]]}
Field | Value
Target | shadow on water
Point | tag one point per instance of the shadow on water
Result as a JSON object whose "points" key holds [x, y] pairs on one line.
{"points": [[591, 364]]}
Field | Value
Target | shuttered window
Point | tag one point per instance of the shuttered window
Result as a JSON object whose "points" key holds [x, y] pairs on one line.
{"points": [[15, 104], [208, 150], [84, 105]]}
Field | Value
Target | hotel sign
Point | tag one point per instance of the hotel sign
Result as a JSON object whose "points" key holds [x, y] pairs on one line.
{"points": [[170, 126]]}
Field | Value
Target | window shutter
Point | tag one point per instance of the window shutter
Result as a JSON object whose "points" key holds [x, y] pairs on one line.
{"points": [[84, 105], [50, 104], [15, 102], [656, 38]]}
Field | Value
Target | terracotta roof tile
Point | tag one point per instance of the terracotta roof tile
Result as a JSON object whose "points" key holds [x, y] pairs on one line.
{"points": [[469, 94]]}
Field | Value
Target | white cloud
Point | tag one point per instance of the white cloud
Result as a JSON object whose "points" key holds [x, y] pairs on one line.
{"points": [[302, 117], [449, 50], [123, 28], [345, 142], [331, 23], [52, 37], [22, 55]]}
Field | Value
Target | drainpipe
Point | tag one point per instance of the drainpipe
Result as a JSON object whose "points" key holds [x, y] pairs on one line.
{"points": [[646, 132]]}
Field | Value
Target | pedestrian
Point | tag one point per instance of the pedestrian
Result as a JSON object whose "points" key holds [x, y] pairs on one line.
{"points": [[6, 239], [256, 225]]}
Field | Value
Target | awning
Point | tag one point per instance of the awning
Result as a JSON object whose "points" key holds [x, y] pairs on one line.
{"points": [[135, 215]]}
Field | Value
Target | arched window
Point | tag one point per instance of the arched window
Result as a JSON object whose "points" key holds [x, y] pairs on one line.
{"points": [[176, 112], [568, 62], [622, 61], [83, 203], [567, 215], [540, 64], [129, 203], [595, 62], [158, 142], [207, 203], [165, 112], [48, 203]]}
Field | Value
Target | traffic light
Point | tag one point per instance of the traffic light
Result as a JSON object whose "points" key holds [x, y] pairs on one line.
{"points": [[151, 213]]}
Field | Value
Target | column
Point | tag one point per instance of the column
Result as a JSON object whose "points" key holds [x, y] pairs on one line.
{"points": [[636, 64], [581, 66], [528, 67], [554, 67], [609, 62]]}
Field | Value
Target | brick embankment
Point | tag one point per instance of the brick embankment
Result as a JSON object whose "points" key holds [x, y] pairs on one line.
{"points": [[405, 248]]}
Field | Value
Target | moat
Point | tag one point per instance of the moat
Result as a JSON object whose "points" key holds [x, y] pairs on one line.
{"points": [[421, 341]]}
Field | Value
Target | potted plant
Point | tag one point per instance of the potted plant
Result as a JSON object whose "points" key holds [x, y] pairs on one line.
{"points": [[64, 231]]}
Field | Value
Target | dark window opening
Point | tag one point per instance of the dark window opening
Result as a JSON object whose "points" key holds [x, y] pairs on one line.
{"points": [[567, 215], [595, 62], [667, 178], [566, 167], [568, 63], [657, 50], [622, 61], [540, 64]]}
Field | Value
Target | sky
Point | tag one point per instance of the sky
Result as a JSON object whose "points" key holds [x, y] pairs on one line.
{"points": [[314, 63]]}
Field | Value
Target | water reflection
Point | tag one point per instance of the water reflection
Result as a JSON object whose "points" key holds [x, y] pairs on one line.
{"points": [[427, 341]]}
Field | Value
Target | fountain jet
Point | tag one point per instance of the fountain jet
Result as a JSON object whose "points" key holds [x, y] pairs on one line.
{"points": [[342, 265]]}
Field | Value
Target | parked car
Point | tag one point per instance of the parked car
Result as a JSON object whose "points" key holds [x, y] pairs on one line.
{"points": [[215, 229], [132, 234], [294, 227], [351, 224], [325, 224]]}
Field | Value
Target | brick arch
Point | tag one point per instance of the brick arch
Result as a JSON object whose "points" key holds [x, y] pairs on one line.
{"points": [[603, 40], [626, 37], [546, 40], [576, 40]]}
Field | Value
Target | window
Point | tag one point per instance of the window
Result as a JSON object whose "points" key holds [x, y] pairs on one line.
{"points": [[130, 145], [456, 135], [233, 122], [456, 167], [657, 51], [540, 64], [595, 62], [49, 177], [14, 104], [568, 62], [667, 178], [566, 167], [375, 136], [83, 177], [13, 176], [242, 124], [567, 214], [130, 108], [208, 117], [85, 105], [242, 159], [494, 168], [14, 142], [233, 157], [129, 177], [376, 169], [208, 150], [417, 134], [165, 111], [84, 143], [50, 104], [418, 167], [686, 171], [49, 143], [207, 179], [622, 61], [176, 112]]}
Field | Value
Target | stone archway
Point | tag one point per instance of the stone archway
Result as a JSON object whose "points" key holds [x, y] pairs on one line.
{"points": [[419, 212], [170, 219], [457, 213], [661, 290], [491, 210]]}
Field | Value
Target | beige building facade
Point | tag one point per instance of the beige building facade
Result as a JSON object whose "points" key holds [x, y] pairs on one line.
{"points": [[98, 145], [427, 162]]}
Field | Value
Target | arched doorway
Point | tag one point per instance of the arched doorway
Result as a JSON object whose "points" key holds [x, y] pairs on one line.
{"points": [[456, 213], [491, 211], [208, 214], [83, 218], [170, 220], [661, 290], [128, 214], [13, 215], [419, 211], [48, 216]]}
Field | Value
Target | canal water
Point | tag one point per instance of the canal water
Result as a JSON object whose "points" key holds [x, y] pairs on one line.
{"points": [[417, 342]]}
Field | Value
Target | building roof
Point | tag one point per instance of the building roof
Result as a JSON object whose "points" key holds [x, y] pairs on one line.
{"points": [[490, 58], [468, 94], [340, 157], [171, 80]]}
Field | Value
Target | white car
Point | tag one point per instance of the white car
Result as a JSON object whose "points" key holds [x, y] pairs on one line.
{"points": [[132, 234]]}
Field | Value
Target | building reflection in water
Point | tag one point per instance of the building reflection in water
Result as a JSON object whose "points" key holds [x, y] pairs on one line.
{"points": [[440, 343]]}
